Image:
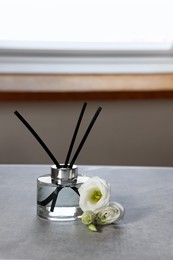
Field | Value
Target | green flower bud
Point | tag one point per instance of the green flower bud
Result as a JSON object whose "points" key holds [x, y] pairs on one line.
{"points": [[92, 228], [88, 217]]}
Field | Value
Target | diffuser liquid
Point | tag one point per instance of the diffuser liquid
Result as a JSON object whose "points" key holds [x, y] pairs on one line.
{"points": [[58, 202]]}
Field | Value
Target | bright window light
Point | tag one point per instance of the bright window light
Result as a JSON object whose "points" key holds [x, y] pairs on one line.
{"points": [[86, 36], [116, 22]]}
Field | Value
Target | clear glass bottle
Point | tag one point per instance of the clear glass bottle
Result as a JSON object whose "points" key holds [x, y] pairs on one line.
{"points": [[57, 194]]}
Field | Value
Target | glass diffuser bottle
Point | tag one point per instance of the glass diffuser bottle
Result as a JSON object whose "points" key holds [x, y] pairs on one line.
{"points": [[57, 194]]}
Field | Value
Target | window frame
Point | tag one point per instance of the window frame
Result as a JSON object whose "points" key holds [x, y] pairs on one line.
{"points": [[84, 59]]}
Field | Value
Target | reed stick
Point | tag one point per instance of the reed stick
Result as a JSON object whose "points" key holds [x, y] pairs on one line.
{"points": [[84, 137], [75, 134], [37, 138]]}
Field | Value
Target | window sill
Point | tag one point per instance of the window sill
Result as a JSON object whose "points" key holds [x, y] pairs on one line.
{"points": [[62, 87]]}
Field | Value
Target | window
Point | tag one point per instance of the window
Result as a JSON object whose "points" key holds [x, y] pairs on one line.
{"points": [[77, 36]]}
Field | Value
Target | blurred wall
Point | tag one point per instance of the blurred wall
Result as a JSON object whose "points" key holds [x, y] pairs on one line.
{"points": [[125, 133]]}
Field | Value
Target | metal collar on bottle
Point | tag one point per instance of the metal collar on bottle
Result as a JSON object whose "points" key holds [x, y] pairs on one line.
{"points": [[64, 174]]}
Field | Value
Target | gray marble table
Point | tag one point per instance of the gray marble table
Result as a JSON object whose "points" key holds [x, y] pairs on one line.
{"points": [[145, 233]]}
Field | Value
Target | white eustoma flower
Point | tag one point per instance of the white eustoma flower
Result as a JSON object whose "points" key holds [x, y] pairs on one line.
{"points": [[110, 214], [94, 194]]}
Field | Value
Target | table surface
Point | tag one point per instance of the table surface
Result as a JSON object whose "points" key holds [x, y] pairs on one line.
{"points": [[146, 231]]}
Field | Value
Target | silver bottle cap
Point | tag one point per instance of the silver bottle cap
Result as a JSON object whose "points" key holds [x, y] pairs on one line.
{"points": [[64, 174]]}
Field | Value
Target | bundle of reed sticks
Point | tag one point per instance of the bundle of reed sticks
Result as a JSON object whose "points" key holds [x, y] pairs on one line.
{"points": [[66, 164]]}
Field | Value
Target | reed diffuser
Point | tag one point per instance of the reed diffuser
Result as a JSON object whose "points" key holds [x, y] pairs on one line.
{"points": [[57, 192]]}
